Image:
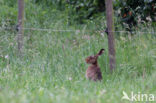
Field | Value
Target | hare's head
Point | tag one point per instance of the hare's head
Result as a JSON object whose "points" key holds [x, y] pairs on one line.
{"points": [[93, 59]]}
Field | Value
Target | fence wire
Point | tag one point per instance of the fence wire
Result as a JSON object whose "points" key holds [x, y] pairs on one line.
{"points": [[69, 30]]}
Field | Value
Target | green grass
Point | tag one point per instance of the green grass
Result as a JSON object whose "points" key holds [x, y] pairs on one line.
{"points": [[52, 69], [51, 59]]}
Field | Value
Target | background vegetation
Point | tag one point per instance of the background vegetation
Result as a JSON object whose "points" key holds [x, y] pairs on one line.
{"points": [[52, 69]]}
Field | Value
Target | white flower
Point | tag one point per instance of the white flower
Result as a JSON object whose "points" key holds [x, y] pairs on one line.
{"points": [[70, 78], [102, 34], [148, 18], [6, 56]]}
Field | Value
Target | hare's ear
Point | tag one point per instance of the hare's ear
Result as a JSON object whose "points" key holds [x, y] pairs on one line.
{"points": [[100, 52]]}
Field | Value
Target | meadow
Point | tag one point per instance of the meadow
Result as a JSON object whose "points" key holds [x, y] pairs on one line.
{"points": [[52, 68]]}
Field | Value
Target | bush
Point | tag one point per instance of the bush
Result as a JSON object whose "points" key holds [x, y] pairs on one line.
{"points": [[133, 12]]}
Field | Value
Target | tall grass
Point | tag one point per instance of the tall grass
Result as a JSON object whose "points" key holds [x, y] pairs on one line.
{"points": [[52, 69]]}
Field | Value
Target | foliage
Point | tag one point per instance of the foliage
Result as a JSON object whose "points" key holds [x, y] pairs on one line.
{"points": [[52, 69], [8, 12], [130, 12], [85, 9], [133, 12], [10, 3], [80, 11]]}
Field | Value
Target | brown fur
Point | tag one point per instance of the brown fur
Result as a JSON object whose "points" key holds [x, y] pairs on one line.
{"points": [[93, 72]]}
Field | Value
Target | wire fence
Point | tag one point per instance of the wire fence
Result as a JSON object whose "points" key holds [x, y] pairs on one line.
{"points": [[74, 30]]}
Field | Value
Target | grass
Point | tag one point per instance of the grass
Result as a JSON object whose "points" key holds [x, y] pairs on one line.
{"points": [[52, 69]]}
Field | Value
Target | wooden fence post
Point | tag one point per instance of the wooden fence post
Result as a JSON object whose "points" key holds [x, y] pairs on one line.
{"points": [[110, 29], [20, 26]]}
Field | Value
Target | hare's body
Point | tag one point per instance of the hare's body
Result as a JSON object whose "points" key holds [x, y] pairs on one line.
{"points": [[93, 72]]}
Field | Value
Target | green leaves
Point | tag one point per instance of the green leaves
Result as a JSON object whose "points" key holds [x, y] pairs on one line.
{"points": [[136, 11]]}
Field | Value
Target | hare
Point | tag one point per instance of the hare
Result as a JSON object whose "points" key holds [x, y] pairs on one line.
{"points": [[93, 72]]}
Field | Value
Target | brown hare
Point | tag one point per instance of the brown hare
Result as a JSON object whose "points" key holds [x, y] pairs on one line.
{"points": [[93, 72]]}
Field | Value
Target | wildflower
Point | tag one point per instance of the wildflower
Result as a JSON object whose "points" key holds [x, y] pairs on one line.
{"points": [[70, 78], [6, 56]]}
